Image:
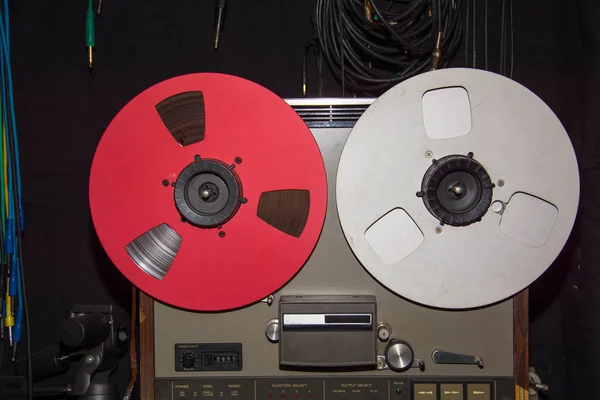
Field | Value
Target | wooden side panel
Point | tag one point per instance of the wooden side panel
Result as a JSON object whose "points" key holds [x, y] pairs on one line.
{"points": [[521, 343], [146, 347]]}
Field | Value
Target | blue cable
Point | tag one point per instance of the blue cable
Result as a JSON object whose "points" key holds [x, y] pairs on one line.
{"points": [[9, 238], [18, 328], [13, 288], [6, 23], [4, 33], [13, 157], [6, 18], [13, 284]]}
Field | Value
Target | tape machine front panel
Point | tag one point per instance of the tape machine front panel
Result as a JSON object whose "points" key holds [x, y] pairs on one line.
{"points": [[334, 248], [329, 327]]}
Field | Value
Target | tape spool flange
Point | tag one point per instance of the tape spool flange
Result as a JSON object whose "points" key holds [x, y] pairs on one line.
{"points": [[208, 192], [457, 188]]}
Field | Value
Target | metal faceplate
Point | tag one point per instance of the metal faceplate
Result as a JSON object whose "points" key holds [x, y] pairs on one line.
{"points": [[333, 270]]}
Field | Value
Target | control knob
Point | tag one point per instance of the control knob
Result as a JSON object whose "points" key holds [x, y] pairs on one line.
{"points": [[399, 355], [188, 360], [272, 330]]}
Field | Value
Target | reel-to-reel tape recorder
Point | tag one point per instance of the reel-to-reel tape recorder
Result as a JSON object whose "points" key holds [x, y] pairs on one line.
{"points": [[334, 248]]}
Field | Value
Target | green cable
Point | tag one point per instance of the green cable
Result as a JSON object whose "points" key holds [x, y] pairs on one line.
{"points": [[2, 192], [90, 32]]}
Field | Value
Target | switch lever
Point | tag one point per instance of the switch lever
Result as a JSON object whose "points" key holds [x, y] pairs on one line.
{"points": [[445, 357], [420, 364]]}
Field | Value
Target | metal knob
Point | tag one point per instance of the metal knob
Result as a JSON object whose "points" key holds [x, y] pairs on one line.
{"points": [[272, 330], [399, 355]]}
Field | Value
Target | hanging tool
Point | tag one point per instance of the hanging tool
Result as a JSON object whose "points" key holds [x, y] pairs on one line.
{"points": [[90, 33], [220, 20]]}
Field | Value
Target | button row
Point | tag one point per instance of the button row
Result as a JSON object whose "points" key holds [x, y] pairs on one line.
{"points": [[452, 391]]}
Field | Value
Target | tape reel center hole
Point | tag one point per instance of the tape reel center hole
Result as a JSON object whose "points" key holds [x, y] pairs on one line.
{"points": [[459, 191], [207, 193]]}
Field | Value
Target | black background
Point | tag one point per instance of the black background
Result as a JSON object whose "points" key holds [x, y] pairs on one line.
{"points": [[62, 111]]}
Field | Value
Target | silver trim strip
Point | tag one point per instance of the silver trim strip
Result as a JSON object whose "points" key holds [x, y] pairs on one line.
{"points": [[298, 320]]}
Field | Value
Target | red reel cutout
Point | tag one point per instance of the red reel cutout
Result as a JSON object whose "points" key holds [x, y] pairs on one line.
{"points": [[208, 192]]}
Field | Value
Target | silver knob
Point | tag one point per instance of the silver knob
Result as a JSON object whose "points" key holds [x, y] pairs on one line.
{"points": [[272, 330], [399, 355]]}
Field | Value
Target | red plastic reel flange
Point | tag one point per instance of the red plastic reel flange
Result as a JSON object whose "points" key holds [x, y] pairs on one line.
{"points": [[211, 271]]}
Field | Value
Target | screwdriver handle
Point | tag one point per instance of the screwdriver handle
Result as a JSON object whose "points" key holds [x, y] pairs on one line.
{"points": [[90, 31], [90, 27]]}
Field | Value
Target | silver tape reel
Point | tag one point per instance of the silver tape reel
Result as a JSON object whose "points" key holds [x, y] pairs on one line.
{"points": [[457, 188]]}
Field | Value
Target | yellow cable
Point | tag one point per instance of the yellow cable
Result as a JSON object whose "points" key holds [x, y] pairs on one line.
{"points": [[9, 319], [5, 167]]}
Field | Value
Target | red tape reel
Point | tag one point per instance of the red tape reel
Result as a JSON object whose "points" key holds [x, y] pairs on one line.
{"points": [[208, 192]]}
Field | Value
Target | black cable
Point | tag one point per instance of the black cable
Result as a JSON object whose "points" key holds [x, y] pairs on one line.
{"points": [[439, 15], [342, 56], [373, 50], [502, 44], [512, 42], [2, 344], [467, 25], [474, 35], [395, 35], [22, 271], [3, 277], [319, 58], [310, 44], [485, 34], [319, 62]]}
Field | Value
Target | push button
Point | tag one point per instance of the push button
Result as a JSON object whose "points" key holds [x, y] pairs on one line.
{"points": [[424, 391], [452, 391], [479, 391]]}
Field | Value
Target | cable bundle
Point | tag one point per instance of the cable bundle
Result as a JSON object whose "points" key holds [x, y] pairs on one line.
{"points": [[372, 45], [12, 282]]}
